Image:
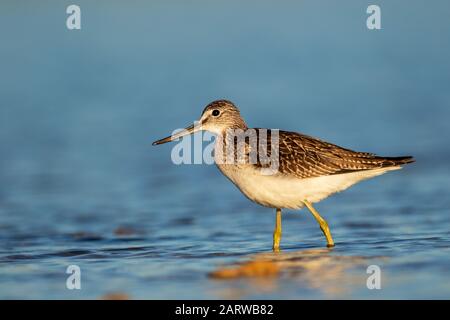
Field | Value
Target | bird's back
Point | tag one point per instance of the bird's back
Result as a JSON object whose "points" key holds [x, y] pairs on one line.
{"points": [[304, 157]]}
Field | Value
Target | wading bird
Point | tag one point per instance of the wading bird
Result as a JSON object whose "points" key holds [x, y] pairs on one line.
{"points": [[308, 170]]}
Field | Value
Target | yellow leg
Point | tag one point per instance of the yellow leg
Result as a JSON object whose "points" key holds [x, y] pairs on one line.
{"points": [[277, 232], [323, 224]]}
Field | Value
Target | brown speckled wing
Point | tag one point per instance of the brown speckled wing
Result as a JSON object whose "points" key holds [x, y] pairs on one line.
{"points": [[303, 156]]}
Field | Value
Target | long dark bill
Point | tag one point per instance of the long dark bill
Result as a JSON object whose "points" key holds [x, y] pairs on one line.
{"points": [[185, 132]]}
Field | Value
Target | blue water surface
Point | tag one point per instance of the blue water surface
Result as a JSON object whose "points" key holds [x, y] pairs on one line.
{"points": [[80, 183]]}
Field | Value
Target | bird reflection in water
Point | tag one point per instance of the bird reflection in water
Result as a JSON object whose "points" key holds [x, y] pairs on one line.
{"points": [[315, 269]]}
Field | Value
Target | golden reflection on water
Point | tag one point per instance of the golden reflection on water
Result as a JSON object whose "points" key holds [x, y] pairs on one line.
{"points": [[315, 269]]}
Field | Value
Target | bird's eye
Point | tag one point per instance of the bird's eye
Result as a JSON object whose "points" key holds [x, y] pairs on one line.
{"points": [[215, 113]]}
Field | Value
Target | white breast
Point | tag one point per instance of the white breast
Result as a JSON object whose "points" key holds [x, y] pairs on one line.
{"points": [[278, 191]]}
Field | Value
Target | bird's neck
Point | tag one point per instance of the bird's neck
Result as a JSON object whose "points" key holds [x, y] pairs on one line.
{"points": [[237, 125], [226, 141]]}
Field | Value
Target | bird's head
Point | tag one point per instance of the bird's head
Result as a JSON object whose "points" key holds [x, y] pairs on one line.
{"points": [[217, 117]]}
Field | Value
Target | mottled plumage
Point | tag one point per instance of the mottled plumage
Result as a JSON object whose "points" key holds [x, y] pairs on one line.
{"points": [[303, 156]]}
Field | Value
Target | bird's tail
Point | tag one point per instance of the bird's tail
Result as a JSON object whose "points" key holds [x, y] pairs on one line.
{"points": [[395, 161]]}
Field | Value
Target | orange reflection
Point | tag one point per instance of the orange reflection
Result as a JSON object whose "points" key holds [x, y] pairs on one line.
{"points": [[333, 275]]}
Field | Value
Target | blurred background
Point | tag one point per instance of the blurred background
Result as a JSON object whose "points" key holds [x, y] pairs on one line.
{"points": [[81, 184]]}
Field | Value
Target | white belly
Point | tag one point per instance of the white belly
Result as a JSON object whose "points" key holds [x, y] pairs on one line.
{"points": [[279, 191]]}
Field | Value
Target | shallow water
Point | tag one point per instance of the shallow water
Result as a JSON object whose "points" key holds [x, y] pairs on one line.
{"points": [[82, 185]]}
